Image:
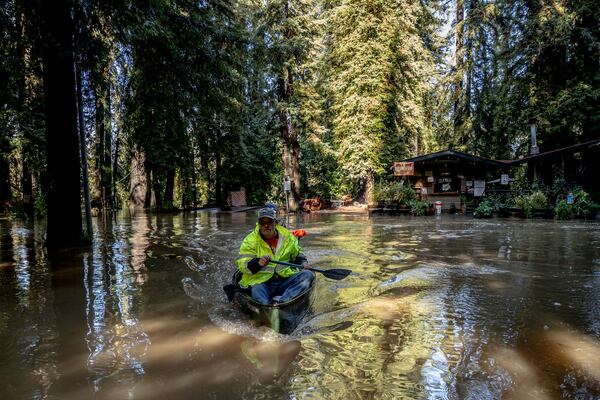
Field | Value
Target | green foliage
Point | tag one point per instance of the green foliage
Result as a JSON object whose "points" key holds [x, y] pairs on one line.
{"points": [[531, 202], [396, 192], [377, 63], [483, 210], [582, 207], [39, 205], [500, 200], [564, 211], [419, 208], [204, 90]]}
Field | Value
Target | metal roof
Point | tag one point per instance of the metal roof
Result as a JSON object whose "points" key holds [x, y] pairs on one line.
{"points": [[555, 152], [445, 155], [453, 155]]}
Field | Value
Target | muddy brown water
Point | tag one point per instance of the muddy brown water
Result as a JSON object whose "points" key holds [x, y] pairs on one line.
{"points": [[438, 308]]}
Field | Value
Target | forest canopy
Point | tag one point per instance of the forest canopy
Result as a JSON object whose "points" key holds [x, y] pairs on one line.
{"points": [[180, 102]]}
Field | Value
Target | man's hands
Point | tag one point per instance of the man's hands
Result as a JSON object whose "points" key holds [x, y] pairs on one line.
{"points": [[264, 260], [256, 264]]}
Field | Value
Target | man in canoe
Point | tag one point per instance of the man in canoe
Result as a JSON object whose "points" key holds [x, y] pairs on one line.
{"points": [[270, 283]]}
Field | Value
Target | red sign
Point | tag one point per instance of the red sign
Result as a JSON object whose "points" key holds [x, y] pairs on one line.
{"points": [[404, 168]]}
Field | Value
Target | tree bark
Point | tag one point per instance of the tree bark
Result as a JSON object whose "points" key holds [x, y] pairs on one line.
{"points": [[148, 198], [103, 135], [295, 151], [194, 185], [158, 199], [137, 181], [83, 150], [218, 180], [169, 189], [458, 84], [64, 200], [26, 179], [5, 192], [115, 168], [289, 137]]}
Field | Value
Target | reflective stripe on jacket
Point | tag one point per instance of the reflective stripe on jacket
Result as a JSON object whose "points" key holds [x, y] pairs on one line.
{"points": [[254, 246]]}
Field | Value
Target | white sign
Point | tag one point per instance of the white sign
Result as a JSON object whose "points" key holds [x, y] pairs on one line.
{"points": [[287, 185], [504, 179], [479, 188]]}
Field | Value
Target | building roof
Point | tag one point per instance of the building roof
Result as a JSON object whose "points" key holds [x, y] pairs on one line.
{"points": [[555, 152], [453, 156]]}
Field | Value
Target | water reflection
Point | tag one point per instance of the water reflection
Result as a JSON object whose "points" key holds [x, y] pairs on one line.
{"points": [[446, 307], [115, 337]]}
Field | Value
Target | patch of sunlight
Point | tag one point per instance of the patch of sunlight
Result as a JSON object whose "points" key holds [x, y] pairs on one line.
{"points": [[413, 278], [528, 382], [496, 285], [577, 350], [7, 265]]}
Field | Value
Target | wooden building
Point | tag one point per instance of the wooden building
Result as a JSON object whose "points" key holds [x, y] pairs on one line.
{"points": [[450, 176]]}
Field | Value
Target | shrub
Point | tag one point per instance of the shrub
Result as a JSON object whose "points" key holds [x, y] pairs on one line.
{"points": [[564, 211], [582, 207], [535, 200], [418, 207], [397, 192], [483, 210]]}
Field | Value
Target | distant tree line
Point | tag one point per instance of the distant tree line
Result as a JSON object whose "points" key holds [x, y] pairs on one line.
{"points": [[180, 101]]}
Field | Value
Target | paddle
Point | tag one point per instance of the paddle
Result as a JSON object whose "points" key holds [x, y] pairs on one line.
{"points": [[336, 274]]}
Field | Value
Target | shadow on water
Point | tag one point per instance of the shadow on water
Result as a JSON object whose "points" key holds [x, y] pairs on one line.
{"points": [[444, 307]]}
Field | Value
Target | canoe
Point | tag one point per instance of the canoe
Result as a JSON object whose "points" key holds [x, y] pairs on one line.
{"points": [[281, 317]]}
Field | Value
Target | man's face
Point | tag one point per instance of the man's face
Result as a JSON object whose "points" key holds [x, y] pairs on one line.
{"points": [[267, 227]]}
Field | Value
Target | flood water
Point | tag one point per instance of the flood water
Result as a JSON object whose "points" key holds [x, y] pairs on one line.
{"points": [[437, 308]]}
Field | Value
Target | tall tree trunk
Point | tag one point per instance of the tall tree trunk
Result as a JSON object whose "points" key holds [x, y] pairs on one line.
{"points": [[169, 189], [285, 135], [26, 181], [5, 191], [64, 201], [194, 194], [103, 135], [115, 168], [459, 55], [370, 188], [149, 184], [137, 181], [469, 57], [286, 127], [218, 179], [100, 137], [158, 199], [108, 143], [83, 150], [295, 150]]}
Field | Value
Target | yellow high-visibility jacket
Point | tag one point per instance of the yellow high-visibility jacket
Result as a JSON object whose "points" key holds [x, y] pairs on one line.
{"points": [[253, 246]]}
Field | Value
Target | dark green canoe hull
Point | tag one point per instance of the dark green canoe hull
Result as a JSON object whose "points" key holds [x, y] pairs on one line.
{"points": [[283, 317]]}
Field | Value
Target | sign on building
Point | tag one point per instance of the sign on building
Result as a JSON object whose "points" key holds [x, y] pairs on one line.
{"points": [[478, 188], [404, 168]]}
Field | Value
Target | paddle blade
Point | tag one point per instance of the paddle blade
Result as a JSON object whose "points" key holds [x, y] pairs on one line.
{"points": [[335, 274]]}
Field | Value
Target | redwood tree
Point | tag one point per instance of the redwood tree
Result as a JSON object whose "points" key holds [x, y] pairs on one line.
{"points": [[64, 203]]}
